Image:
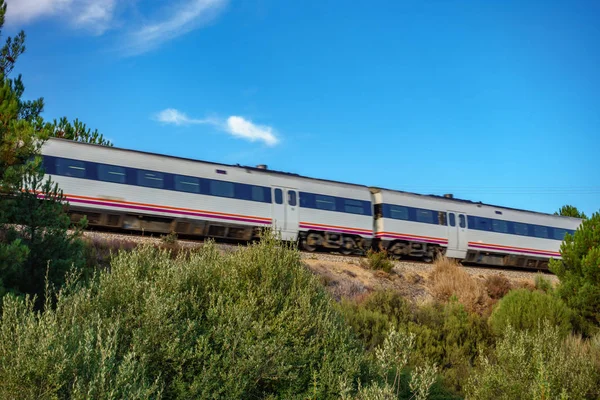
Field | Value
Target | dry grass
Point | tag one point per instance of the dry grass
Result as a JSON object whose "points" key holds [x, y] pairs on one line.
{"points": [[497, 286], [449, 279]]}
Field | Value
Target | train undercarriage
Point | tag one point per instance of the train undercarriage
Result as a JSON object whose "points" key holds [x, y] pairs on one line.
{"points": [[345, 244], [308, 241]]}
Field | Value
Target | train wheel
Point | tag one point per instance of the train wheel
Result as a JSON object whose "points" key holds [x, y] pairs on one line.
{"points": [[311, 242], [307, 246], [348, 247], [398, 250]]}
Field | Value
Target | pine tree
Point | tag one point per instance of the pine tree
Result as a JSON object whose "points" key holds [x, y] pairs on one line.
{"points": [[579, 272], [570, 211], [35, 242]]}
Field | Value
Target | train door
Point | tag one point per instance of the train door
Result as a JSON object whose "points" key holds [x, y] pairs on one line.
{"points": [[285, 212], [457, 235]]}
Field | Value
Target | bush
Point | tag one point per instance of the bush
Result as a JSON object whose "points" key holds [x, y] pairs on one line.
{"points": [[379, 260], [171, 238], [451, 337], [450, 280], [536, 364], [497, 286], [542, 284], [252, 323], [371, 318], [524, 310], [447, 334]]}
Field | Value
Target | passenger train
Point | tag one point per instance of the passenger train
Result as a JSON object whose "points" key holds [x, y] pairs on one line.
{"points": [[142, 191]]}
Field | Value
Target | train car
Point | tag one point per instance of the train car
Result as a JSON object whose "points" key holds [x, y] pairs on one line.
{"points": [[142, 191], [409, 224]]}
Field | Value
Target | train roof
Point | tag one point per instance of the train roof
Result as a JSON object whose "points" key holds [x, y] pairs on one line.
{"points": [[247, 167], [373, 189]]}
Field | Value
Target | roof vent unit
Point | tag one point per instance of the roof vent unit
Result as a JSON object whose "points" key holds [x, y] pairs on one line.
{"points": [[261, 166], [449, 196]]}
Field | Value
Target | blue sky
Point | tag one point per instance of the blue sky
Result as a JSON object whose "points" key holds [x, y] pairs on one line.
{"points": [[493, 101]]}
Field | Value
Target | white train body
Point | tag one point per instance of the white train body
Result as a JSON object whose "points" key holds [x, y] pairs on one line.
{"points": [[142, 191], [417, 225]]}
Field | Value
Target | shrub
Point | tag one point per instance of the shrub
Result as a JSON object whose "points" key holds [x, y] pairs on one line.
{"points": [[543, 284], [252, 323], [536, 364], [379, 260], [497, 286], [391, 359], [524, 310], [371, 318], [450, 280], [451, 337], [171, 238]]}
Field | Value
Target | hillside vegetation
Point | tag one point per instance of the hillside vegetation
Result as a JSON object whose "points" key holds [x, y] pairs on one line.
{"points": [[256, 323], [83, 320]]}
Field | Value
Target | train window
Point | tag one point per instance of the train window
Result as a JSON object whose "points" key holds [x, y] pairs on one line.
{"points": [[559, 233], [291, 198], [452, 219], [150, 179], [325, 202], [49, 164], [353, 206], [111, 173], [278, 196], [499, 226], [187, 184], [258, 193], [222, 188], [480, 223], [540, 231], [521, 229], [399, 212], [462, 221], [72, 168], [425, 216]]}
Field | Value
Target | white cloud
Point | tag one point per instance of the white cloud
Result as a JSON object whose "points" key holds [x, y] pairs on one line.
{"points": [[240, 127], [181, 19], [234, 125], [136, 32], [92, 15], [175, 117]]}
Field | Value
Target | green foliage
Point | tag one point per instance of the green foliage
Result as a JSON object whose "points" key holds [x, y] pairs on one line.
{"points": [[379, 260], [372, 318], [392, 357], [536, 364], [171, 238], [253, 323], [451, 337], [422, 380], [446, 335], [33, 239], [525, 310], [570, 211], [579, 273], [542, 284], [77, 131], [36, 245]]}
